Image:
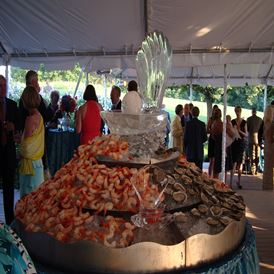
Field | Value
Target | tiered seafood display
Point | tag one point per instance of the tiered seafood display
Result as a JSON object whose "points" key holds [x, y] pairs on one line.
{"points": [[89, 201]]}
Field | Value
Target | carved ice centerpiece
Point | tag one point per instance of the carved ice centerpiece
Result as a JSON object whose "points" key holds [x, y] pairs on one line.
{"points": [[141, 121]]}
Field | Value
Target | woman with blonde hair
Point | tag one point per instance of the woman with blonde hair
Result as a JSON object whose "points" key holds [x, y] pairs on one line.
{"points": [[268, 175], [177, 129], [31, 173]]}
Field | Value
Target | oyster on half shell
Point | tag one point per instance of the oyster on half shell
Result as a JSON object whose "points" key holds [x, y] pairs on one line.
{"points": [[179, 196]]}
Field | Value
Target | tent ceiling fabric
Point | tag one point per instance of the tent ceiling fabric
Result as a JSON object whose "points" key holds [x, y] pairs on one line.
{"points": [[102, 34]]}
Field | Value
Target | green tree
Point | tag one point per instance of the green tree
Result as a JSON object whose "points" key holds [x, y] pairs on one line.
{"points": [[210, 95]]}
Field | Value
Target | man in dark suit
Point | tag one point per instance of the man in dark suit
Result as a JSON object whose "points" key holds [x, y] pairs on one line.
{"points": [[115, 98], [187, 115], [8, 126], [194, 138], [32, 80]]}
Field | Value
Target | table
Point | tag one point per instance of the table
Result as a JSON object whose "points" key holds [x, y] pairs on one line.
{"points": [[244, 260], [60, 146]]}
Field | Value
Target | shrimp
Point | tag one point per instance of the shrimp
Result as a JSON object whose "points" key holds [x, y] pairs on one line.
{"points": [[60, 236], [131, 202], [50, 222]]}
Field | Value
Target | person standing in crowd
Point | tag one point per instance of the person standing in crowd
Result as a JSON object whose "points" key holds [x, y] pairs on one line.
{"points": [[9, 118], [238, 146], [211, 142], [47, 88], [163, 110], [32, 81], [177, 129], [217, 132], [253, 126], [191, 106], [268, 175], [31, 172], [230, 136], [53, 105], [54, 110], [132, 86], [132, 101], [186, 116], [194, 138], [115, 98], [88, 119]]}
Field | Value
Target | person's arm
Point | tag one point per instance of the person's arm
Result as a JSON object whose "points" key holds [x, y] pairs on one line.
{"points": [[177, 130], [43, 110], [28, 126], [23, 113], [230, 130], [243, 132], [204, 135], [208, 126], [79, 120]]}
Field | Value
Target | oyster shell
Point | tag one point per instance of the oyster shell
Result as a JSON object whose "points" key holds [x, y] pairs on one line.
{"points": [[214, 199], [216, 211], [159, 174], [168, 190], [225, 220], [208, 189], [204, 198], [171, 180], [240, 206], [179, 196], [178, 186], [180, 217], [212, 221], [203, 208], [176, 176], [189, 173], [236, 215], [186, 180], [195, 212], [191, 191], [179, 170]]}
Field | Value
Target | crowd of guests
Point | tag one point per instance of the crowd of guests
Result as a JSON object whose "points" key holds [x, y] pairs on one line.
{"points": [[244, 139], [26, 124]]}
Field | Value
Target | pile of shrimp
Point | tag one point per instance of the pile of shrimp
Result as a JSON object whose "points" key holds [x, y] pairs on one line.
{"points": [[109, 145], [67, 206]]}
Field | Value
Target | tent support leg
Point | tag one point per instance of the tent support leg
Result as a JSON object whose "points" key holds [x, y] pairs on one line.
{"points": [[224, 125], [87, 80], [7, 75], [78, 82], [190, 92], [265, 95]]}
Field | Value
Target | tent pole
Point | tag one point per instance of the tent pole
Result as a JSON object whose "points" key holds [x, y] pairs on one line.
{"points": [[105, 87], [224, 125], [78, 82], [190, 92], [7, 75], [87, 80], [265, 95]]}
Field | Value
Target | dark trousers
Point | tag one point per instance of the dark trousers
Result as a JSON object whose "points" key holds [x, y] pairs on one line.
{"points": [[7, 173]]}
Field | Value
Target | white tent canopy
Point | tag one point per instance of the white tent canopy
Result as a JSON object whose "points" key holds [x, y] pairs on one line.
{"points": [[104, 34]]}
